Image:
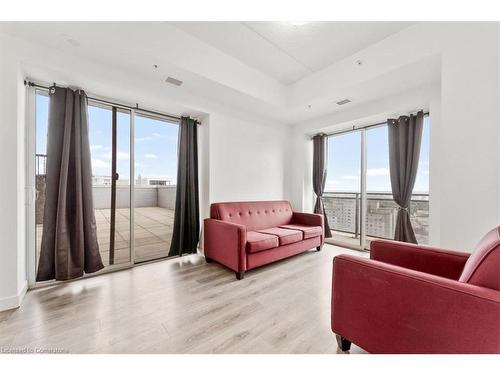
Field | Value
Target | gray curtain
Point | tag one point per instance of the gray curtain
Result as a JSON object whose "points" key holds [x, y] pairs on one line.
{"points": [[405, 136], [319, 177], [187, 212], [69, 239]]}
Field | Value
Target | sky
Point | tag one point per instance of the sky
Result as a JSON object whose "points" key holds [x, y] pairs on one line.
{"points": [[344, 162], [155, 142]]}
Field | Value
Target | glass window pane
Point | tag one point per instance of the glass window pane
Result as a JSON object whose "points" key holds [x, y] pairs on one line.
{"points": [[101, 140], [155, 179], [343, 187], [41, 125]]}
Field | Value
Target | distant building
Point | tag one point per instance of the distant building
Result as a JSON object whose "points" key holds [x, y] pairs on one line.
{"points": [[106, 181], [101, 180], [153, 181], [343, 210]]}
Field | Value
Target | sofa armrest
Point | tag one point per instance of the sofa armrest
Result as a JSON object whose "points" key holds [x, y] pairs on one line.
{"points": [[225, 243], [307, 219], [440, 262], [389, 309]]}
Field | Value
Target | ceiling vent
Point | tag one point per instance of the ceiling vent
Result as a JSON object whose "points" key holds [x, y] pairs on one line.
{"points": [[173, 81], [344, 101]]}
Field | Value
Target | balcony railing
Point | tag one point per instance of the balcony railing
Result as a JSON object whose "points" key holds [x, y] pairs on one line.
{"points": [[343, 210]]}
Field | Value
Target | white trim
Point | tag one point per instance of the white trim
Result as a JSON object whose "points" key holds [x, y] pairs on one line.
{"points": [[364, 202], [132, 187], [15, 301], [30, 147]]}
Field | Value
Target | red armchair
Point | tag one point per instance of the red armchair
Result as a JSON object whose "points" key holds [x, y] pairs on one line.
{"points": [[246, 235], [418, 299]]}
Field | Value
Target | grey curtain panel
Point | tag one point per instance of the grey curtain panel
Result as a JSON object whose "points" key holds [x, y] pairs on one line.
{"points": [[405, 136], [319, 177], [69, 240], [187, 212]]}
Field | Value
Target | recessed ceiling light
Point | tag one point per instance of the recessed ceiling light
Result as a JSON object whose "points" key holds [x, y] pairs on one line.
{"points": [[298, 23]]}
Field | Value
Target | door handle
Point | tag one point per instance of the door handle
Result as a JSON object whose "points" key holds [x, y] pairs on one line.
{"points": [[117, 176]]}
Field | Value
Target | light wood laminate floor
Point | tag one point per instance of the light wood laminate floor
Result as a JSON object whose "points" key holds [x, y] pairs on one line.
{"points": [[184, 305]]}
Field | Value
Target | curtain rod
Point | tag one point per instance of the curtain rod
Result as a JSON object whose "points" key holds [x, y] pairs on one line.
{"points": [[115, 104], [354, 127]]}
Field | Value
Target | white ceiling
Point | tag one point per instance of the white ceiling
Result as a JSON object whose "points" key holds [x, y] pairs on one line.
{"points": [[288, 52], [233, 66]]}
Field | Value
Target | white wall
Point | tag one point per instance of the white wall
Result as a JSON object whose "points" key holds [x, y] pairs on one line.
{"points": [[12, 219], [247, 159], [468, 163]]}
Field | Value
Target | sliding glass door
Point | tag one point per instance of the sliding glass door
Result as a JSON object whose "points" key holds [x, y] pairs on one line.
{"points": [[109, 135], [155, 186], [134, 158], [358, 197]]}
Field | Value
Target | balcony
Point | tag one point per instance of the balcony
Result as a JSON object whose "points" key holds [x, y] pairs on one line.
{"points": [[343, 210], [153, 218]]}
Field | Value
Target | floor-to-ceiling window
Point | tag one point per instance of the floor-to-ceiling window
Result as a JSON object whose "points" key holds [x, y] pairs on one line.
{"points": [[121, 141], [358, 213]]}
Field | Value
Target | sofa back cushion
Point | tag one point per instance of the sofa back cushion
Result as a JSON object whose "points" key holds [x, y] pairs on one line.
{"points": [[483, 266], [254, 215]]}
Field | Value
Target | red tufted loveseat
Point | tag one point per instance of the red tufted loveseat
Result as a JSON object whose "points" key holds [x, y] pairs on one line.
{"points": [[246, 235]]}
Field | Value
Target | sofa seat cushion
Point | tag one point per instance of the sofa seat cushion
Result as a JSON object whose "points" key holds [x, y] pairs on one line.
{"points": [[285, 236], [260, 241], [308, 231]]}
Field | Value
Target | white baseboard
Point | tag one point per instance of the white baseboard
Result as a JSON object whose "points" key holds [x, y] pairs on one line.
{"points": [[15, 301]]}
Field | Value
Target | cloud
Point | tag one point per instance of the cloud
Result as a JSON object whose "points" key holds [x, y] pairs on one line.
{"points": [[377, 172], [151, 156], [349, 177], [333, 183], [119, 155], [100, 164], [141, 139], [95, 147], [157, 135]]}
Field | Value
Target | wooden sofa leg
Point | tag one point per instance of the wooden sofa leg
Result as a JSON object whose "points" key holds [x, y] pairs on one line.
{"points": [[240, 275], [319, 248], [343, 343], [208, 260]]}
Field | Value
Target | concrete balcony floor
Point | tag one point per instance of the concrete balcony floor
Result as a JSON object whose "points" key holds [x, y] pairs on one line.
{"points": [[152, 231]]}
